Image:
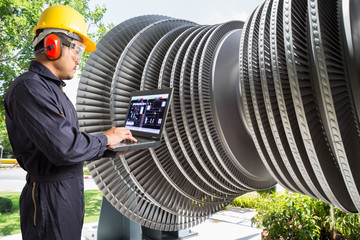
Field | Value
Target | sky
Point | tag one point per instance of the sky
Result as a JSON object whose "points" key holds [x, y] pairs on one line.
{"points": [[199, 11], [205, 12]]}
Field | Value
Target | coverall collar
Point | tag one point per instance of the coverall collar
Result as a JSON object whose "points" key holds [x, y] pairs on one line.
{"points": [[42, 70]]}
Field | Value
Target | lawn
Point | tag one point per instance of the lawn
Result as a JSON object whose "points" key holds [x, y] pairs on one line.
{"points": [[10, 222]]}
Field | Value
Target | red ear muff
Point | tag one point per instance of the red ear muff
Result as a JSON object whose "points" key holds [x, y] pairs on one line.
{"points": [[53, 46]]}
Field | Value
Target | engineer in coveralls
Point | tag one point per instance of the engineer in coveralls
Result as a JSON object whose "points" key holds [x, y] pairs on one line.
{"points": [[43, 129]]}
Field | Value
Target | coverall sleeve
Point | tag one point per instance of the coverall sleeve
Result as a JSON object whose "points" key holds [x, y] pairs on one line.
{"points": [[37, 112]]}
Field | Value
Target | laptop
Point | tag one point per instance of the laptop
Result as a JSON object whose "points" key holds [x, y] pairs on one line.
{"points": [[146, 118]]}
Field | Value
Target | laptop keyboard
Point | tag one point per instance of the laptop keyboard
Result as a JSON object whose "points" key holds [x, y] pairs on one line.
{"points": [[139, 140]]}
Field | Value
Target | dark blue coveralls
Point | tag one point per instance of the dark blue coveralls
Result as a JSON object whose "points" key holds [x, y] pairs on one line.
{"points": [[43, 129]]}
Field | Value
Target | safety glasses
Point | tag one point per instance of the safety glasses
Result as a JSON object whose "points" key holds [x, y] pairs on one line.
{"points": [[76, 49]]}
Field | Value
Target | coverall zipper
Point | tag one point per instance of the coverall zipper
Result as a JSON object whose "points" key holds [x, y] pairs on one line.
{"points": [[33, 197]]}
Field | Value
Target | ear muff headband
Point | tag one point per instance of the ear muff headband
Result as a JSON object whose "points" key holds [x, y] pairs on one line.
{"points": [[53, 46]]}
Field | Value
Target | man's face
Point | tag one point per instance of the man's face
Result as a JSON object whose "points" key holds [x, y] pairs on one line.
{"points": [[66, 66]]}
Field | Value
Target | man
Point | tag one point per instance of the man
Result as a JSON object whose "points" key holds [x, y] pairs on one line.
{"points": [[43, 129]]}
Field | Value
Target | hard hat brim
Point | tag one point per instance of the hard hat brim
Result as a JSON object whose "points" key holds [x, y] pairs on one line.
{"points": [[90, 45]]}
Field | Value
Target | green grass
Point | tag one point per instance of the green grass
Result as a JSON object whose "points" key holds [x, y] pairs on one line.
{"points": [[10, 222], [249, 200], [92, 205]]}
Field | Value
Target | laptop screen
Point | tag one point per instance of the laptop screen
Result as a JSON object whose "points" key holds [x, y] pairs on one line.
{"points": [[147, 111]]}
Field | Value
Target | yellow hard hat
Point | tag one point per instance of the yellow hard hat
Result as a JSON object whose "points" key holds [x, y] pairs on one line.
{"points": [[67, 18]]}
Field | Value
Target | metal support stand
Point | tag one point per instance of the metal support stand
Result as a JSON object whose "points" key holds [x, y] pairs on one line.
{"points": [[163, 235], [115, 226]]}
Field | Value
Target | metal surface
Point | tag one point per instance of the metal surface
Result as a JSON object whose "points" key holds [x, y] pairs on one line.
{"points": [[274, 99]]}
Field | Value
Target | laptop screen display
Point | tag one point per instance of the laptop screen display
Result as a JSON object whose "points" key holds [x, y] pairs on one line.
{"points": [[147, 112]]}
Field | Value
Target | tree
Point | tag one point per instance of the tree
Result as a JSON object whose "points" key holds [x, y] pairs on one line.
{"points": [[4, 140], [17, 20]]}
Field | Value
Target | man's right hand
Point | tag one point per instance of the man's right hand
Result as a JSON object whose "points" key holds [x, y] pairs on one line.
{"points": [[116, 135]]}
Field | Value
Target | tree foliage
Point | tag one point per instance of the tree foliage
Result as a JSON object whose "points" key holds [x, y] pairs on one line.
{"points": [[17, 20]]}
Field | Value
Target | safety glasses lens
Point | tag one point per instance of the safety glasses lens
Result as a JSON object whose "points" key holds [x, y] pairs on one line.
{"points": [[77, 50]]}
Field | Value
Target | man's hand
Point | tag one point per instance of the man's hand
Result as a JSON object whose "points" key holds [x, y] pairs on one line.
{"points": [[115, 135]]}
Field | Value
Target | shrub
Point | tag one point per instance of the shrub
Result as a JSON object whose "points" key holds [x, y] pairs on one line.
{"points": [[5, 205], [293, 216], [86, 171], [347, 225]]}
